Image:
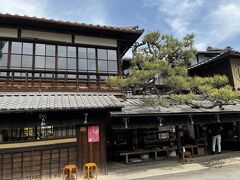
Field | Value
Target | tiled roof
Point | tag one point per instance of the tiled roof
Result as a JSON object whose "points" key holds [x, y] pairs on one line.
{"points": [[53, 101], [209, 60], [80, 25], [222, 53], [135, 106]]}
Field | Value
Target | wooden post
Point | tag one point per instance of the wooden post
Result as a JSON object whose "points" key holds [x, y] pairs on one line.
{"points": [[238, 131], [179, 146]]}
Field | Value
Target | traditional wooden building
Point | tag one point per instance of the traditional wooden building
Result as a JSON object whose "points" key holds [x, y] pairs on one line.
{"points": [[56, 109], [54, 102], [218, 61]]}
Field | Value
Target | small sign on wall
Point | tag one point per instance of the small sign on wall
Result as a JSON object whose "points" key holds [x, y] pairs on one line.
{"points": [[83, 129], [93, 133]]}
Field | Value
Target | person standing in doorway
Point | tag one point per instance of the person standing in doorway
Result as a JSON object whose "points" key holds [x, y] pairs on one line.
{"points": [[215, 130]]}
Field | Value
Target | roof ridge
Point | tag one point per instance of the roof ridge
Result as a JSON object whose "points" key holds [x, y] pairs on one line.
{"points": [[211, 59], [131, 28]]}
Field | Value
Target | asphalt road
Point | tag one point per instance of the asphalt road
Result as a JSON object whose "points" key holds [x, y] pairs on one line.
{"points": [[229, 172]]}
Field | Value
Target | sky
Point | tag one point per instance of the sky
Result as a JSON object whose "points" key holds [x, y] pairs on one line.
{"points": [[215, 23]]}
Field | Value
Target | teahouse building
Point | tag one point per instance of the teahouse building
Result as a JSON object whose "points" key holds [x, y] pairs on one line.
{"points": [[56, 109], [54, 102]]}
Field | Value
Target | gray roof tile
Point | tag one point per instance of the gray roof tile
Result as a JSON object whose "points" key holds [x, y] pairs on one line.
{"points": [[134, 106], [53, 101]]}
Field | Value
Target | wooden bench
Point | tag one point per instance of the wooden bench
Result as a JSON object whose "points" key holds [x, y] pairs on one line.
{"points": [[155, 151]]}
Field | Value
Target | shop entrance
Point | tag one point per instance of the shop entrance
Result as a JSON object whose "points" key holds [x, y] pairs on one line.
{"points": [[139, 145]]}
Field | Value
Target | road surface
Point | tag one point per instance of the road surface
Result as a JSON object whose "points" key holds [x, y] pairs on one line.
{"points": [[228, 172]]}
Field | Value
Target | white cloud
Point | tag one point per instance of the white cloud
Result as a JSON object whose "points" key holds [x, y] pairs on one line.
{"points": [[213, 22], [178, 13], [24, 7], [225, 21], [83, 11]]}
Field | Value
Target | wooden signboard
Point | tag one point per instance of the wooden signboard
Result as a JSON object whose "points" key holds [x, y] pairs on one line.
{"points": [[93, 133]]}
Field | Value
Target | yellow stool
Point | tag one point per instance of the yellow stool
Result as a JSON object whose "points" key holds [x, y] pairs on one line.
{"points": [[89, 167], [70, 168]]}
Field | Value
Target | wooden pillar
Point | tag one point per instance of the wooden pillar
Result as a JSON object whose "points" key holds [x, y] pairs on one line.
{"points": [[179, 146], [140, 138], [130, 139], [238, 131]]}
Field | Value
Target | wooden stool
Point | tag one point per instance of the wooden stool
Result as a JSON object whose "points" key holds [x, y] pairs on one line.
{"points": [[70, 168], [89, 167], [185, 156], [201, 151]]}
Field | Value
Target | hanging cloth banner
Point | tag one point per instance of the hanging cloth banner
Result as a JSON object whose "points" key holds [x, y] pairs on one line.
{"points": [[93, 133]]}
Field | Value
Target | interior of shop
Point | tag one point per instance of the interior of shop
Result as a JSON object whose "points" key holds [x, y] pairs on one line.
{"points": [[140, 145]]}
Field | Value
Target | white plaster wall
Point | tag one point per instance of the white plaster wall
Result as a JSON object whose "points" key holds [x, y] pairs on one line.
{"points": [[235, 65], [8, 32], [46, 36], [95, 41]]}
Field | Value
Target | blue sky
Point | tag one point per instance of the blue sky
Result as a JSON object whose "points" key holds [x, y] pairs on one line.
{"points": [[214, 22]]}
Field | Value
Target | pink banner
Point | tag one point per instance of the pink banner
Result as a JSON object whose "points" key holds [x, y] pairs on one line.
{"points": [[93, 133]]}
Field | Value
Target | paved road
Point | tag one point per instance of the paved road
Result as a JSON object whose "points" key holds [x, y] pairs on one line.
{"points": [[229, 172]]}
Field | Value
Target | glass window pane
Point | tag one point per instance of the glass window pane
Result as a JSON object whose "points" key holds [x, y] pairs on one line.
{"points": [[91, 53], [39, 62], [17, 47], [72, 64], [112, 55], [27, 62], [50, 62], [3, 60], [91, 65], [4, 46], [48, 75], [62, 63], [102, 66], [93, 78], [62, 51], [103, 78], [102, 54], [36, 75], [16, 61], [61, 75], [50, 50], [82, 53], [82, 77], [28, 48], [71, 51], [16, 74], [3, 74], [71, 76], [40, 49], [82, 64], [112, 66]]}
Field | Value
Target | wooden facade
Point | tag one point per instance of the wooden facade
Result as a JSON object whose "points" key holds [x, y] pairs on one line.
{"points": [[29, 160], [37, 163], [41, 55]]}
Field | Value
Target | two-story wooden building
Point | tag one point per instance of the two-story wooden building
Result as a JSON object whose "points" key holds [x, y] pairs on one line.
{"points": [[54, 102], [218, 61]]}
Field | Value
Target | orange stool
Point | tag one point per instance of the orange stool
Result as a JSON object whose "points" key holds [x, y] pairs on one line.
{"points": [[70, 168], [89, 167]]}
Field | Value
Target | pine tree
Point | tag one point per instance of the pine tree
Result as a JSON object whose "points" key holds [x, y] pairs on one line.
{"points": [[168, 57]]}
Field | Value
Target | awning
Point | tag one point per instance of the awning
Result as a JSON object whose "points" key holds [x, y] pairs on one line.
{"points": [[34, 102]]}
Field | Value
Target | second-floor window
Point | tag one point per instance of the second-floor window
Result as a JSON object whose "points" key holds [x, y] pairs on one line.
{"points": [[47, 57], [21, 55], [3, 56]]}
